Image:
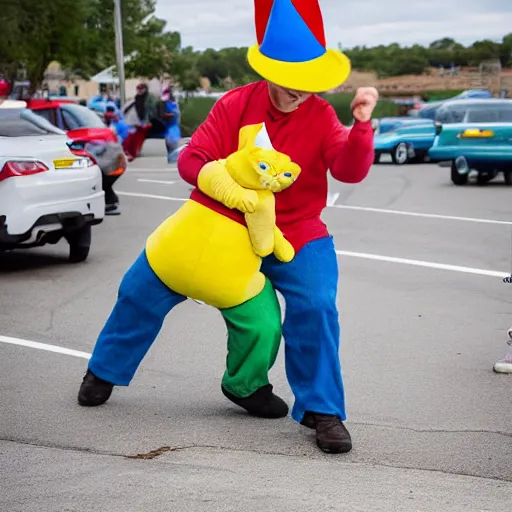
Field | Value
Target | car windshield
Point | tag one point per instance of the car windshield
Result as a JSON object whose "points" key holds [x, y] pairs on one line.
{"points": [[21, 122], [78, 116]]}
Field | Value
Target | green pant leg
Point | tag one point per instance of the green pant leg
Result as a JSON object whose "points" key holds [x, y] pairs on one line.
{"points": [[254, 336]]}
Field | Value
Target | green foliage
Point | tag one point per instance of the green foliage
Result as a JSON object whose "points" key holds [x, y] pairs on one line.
{"points": [[195, 110], [184, 69], [80, 35], [396, 60]]}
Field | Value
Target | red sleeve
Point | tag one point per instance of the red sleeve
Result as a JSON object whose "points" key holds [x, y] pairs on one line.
{"points": [[348, 152], [211, 141]]}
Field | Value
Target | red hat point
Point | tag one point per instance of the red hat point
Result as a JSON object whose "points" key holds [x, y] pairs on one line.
{"points": [[309, 11], [262, 10]]}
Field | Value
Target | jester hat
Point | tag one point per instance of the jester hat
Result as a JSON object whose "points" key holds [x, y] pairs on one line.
{"points": [[291, 49]]}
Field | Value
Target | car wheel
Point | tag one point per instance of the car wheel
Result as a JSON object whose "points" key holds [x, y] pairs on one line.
{"points": [[459, 171], [376, 158], [79, 244], [507, 175], [400, 154]]}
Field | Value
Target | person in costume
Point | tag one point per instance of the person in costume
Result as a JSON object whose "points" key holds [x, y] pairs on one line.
{"points": [[292, 58], [199, 253], [172, 131], [138, 114]]}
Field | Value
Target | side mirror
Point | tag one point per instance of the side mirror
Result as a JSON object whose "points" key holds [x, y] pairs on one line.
{"points": [[439, 127]]}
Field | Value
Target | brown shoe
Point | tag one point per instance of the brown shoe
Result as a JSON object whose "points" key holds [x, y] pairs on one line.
{"points": [[331, 434]]}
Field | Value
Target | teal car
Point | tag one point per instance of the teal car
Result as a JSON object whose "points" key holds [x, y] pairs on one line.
{"points": [[407, 141], [479, 141]]}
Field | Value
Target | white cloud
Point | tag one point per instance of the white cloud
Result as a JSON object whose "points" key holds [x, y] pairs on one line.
{"points": [[221, 23]]}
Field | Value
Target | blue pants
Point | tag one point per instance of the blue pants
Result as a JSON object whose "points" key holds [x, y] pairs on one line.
{"points": [[311, 329]]}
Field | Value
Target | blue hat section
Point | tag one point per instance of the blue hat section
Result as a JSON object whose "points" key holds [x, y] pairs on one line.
{"points": [[288, 38]]}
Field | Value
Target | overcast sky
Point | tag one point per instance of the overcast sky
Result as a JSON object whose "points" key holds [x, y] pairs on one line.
{"points": [[221, 23]]}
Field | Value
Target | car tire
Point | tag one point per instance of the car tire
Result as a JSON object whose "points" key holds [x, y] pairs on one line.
{"points": [[457, 178], [79, 244], [400, 154], [507, 175], [376, 158]]}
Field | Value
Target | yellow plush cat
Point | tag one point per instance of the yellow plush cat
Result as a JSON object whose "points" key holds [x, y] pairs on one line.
{"points": [[259, 167], [206, 256]]}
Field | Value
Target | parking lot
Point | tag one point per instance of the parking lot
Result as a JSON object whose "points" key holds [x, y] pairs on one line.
{"points": [[424, 314]]}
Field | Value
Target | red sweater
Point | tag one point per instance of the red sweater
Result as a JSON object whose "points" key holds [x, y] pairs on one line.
{"points": [[311, 136]]}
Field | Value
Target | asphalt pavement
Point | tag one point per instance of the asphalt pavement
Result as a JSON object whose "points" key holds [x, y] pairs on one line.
{"points": [[424, 314]]}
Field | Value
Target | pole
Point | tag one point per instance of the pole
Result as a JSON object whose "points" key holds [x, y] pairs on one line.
{"points": [[119, 51]]}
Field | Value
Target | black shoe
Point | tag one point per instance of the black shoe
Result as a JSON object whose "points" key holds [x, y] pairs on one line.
{"points": [[331, 435], [94, 391], [309, 420], [112, 209], [263, 403]]}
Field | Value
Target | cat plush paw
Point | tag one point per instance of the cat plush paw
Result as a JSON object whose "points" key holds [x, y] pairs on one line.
{"points": [[263, 253], [247, 201], [284, 253], [283, 250]]}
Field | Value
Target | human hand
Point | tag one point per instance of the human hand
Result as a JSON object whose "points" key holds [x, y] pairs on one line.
{"points": [[364, 103]]}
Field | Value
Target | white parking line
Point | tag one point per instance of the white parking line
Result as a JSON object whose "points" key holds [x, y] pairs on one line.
{"points": [[426, 264], [162, 182], [356, 208], [375, 257], [149, 171], [44, 346], [422, 215], [151, 196]]}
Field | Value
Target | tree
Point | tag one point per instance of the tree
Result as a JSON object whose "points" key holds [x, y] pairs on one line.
{"points": [[184, 70], [37, 33], [213, 66], [80, 35], [154, 50], [506, 50]]}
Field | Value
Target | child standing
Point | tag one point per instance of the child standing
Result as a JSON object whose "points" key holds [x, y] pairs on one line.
{"points": [[172, 125]]}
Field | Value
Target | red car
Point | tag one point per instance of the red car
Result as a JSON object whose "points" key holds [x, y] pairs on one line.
{"points": [[87, 130], [80, 122]]}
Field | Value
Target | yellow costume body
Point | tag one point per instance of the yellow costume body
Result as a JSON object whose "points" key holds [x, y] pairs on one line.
{"points": [[206, 256]]}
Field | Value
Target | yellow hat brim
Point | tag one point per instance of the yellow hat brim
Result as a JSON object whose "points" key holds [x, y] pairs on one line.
{"points": [[318, 75]]}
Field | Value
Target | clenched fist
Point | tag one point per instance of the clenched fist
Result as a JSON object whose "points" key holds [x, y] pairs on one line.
{"points": [[364, 103]]}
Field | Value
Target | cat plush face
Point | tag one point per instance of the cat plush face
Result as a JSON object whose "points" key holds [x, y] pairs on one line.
{"points": [[273, 170], [257, 166]]}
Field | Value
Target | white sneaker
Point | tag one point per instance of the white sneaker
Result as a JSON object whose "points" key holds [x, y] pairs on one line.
{"points": [[505, 365]]}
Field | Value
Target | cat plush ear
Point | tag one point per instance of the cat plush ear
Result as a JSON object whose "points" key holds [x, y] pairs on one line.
{"points": [[254, 137], [262, 139]]}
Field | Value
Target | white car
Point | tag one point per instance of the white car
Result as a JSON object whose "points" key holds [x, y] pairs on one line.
{"points": [[46, 191]]}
